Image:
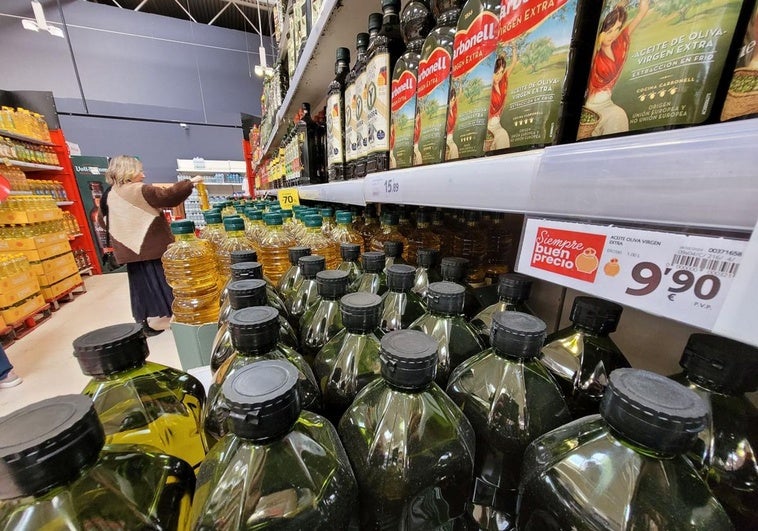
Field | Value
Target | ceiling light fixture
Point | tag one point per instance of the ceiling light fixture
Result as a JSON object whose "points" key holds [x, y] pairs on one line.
{"points": [[262, 69], [40, 22]]}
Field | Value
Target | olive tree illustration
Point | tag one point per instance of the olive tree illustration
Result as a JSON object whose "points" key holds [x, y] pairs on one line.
{"points": [[472, 88], [537, 53], [677, 7]]}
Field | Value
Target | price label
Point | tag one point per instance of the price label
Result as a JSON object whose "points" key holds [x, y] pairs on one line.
{"points": [[288, 197], [679, 276], [384, 189]]}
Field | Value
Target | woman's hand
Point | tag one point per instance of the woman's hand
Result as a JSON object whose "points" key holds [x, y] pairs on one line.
{"points": [[196, 179]]}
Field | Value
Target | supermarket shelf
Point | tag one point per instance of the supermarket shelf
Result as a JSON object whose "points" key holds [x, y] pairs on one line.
{"points": [[224, 184], [334, 27], [64, 203], [347, 192], [695, 177], [24, 138], [31, 166], [202, 172]]}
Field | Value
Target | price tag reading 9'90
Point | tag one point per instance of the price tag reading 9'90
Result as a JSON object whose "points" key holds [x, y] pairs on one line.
{"points": [[384, 189], [681, 277]]}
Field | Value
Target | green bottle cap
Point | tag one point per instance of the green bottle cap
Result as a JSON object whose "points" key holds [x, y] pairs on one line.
{"points": [[313, 221], [344, 218], [234, 224], [184, 226], [272, 219], [212, 217]]}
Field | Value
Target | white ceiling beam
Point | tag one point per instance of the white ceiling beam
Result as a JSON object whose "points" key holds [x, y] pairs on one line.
{"points": [[185, 11], [141, 5], [219, 13], [256, 28]]}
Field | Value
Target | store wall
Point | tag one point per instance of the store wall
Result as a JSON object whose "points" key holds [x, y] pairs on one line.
{"points": [[117, 63]]}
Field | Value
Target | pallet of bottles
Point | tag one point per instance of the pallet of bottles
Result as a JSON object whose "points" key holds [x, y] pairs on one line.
{"points": [[26, 323], [63, 291]]}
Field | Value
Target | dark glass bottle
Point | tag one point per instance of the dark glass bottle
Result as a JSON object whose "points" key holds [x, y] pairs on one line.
{"points": [[582, 356], [421, 236], [254, 271], [625, 468], [426, 272], [323, 320], [512, 292], [389, 231], [306, 294], [236, 257], [444, 321], [721, 371], [382, 54], [351, 255], [141, 402], [335, 118], [55, 473], [291, 280], [279, 467], [373, 279], [245, 294], [313, 169], [510, 400], [416, 21], [433, 91], [362, 85], [455, 269], [350, 360], [401, 305], [393, 254], [351, 106], [255, 336], [411, 448], [471, 244]]}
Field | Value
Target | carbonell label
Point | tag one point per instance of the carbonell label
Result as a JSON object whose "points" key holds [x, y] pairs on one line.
{"points": [[431, 106], [378, 103], [473, 64], [402, 126], [335, 155], [530, 71]]}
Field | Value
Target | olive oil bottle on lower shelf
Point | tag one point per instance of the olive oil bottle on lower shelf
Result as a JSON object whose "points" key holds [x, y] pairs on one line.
{"points": [[141, 402]]}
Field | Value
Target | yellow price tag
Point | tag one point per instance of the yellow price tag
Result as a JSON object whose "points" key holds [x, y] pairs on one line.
{"points": [[288, 197]]}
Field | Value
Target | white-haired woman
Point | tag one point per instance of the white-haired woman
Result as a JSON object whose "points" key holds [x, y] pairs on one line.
{"points": [[140, 235]]}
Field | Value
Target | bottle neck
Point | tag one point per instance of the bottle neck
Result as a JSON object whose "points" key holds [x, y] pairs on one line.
{"points": [[449, 18], [341, 68], [235, 234], [648, 452], [184, 237], [422, 224], [588, 331]]}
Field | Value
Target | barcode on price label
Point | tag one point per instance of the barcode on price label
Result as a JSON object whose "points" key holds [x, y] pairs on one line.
{"points": [[718, 267], [679, 276]]}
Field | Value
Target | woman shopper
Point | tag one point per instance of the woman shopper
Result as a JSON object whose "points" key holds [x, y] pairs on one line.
{"points": [[132, 211]]}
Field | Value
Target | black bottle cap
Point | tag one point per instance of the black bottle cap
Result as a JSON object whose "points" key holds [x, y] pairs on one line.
{"points": [[243, 255], [295, 253], [393, 248], [343, 54], [374, 261], [454, 269], [47, 444], [111, 349], [375, 22], [263, 399], [427, 258], [400, 277], [310, 265], [361, 40], [596, 315], [517, 334], [391, 3], [361, 311], [246, 271], [391, 218], [653, 411], [254, 329], [247, 293], [332, 284], [446, 297], [721, 364], [409, 359], [350, 252], [513, 286]]}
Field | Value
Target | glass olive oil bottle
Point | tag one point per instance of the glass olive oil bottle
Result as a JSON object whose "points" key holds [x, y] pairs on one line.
{"points": [[411, 448], [279, 467], [141, 402]]}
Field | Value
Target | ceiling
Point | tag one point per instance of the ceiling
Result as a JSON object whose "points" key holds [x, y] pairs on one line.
{"points": [[233, 14]]}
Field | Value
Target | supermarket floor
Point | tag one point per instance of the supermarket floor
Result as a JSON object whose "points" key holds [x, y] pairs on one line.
{"points": [[44, 358]]}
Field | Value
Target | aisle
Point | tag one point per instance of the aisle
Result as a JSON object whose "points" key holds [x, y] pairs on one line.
{"points": [[44, 358]]}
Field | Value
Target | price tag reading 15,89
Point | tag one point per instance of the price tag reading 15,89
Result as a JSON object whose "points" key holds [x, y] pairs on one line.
{"points": [[384, 189], [674, 275]]}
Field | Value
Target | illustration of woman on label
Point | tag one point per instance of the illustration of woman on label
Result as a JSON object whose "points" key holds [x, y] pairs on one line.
{"points": [[497, 136], [417, 160], [393, 160], [452, 116], [612, 48]]}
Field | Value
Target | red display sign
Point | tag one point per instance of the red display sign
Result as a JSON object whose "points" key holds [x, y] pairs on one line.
{"points": [[475, 43], [568, 253], [519, 16], [433, 71]]}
